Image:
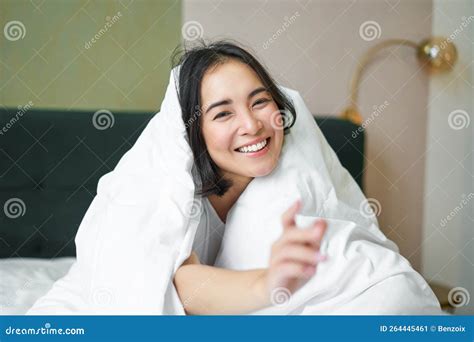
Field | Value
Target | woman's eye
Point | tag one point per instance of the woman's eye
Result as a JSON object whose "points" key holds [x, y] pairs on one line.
{"points": [[260, 101], [221, 114]]}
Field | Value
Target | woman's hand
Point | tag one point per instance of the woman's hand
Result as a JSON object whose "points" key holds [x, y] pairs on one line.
{"points": [[294, 256], [209, 290]]}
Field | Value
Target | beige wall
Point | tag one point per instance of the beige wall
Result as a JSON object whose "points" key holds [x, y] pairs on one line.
{"points": [[315, 51], [448, 239], [57, 65]]}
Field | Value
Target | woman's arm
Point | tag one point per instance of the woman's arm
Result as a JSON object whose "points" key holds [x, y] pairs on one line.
{"points": [[208, 290]]}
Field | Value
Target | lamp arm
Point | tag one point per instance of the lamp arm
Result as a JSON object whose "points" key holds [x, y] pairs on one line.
{"points": [[438, 54], [364, 60]]}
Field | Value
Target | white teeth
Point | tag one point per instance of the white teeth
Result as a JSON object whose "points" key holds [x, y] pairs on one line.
{"points": [[254, 148]]}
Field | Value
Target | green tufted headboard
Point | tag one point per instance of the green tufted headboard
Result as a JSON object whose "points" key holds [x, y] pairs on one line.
{"points": [[51, 161]]}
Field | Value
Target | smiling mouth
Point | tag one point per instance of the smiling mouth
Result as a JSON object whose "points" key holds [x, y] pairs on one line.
{"points": [[263, 147]]}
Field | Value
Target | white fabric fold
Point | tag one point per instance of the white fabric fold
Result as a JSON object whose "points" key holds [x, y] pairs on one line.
{"points": [[140, 228], [137, 230]]}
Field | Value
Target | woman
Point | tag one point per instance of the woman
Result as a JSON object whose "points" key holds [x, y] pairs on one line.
{"points": [[236, 135]]}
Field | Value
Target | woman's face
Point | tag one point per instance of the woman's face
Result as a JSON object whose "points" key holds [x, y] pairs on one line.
{"points": [[238, 118]]}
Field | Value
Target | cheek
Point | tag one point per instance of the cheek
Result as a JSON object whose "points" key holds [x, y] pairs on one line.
{"points": [[217, 141], [279, 139]]}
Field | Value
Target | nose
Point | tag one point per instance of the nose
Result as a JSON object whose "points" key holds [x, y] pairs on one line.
{"points": [[250, 124]]}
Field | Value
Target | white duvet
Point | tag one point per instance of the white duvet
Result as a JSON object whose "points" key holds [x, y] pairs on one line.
{"points": [[140, 228]]}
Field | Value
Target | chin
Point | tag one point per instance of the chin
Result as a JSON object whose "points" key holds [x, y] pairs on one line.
{"points": [[263, 170]]}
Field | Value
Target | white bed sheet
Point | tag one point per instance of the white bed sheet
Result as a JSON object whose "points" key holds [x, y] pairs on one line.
{"points": [[24, 280]]}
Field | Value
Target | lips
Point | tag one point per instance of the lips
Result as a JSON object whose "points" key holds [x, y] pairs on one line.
{"points": [[253, 142]]}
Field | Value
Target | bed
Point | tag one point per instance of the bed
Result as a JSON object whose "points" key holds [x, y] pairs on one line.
{"points": [[23, 280]]}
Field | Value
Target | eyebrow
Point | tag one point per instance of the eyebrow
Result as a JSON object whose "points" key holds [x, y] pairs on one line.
{"points": [[228, 101]]}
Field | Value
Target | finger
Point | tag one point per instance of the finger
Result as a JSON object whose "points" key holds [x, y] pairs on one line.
{"points": [[305, 236], [320, 226], [297, 253], [288, 217], [311, 235]]}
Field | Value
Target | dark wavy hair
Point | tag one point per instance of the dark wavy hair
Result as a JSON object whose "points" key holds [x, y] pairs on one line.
{"points": [[194, 63]]}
